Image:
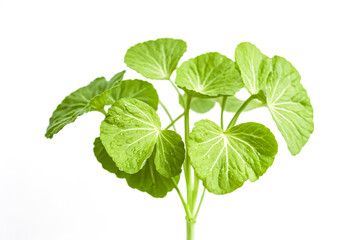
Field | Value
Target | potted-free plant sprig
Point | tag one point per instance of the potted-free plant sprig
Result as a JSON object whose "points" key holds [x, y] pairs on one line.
{"points": [[134, 145]]}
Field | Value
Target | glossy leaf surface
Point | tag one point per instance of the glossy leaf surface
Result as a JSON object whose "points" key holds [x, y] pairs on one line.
{"points": [[225, 160]]}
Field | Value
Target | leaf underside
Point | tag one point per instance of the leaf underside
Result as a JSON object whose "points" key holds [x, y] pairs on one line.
{"points": [[148, 179]]}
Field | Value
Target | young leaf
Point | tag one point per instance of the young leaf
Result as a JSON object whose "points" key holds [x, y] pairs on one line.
{"points": [[225, 160], [156, 59], [210, 74], [199, 104], [289, 104], [254, 66], [146, 180], [78, 103], [138, 89], [106, 161], [130, 132], [151, 181], [170, 153]]}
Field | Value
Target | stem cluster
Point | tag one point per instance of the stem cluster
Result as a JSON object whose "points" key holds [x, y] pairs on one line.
{"points": [[190, 205]]}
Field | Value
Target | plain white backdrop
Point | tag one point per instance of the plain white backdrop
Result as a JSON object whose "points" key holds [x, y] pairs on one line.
{"points": [[55, 189]]}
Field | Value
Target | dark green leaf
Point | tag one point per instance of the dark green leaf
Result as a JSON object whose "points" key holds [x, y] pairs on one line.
{"points": [[78, 103]]}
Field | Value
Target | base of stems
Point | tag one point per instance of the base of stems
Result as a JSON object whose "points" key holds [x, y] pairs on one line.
{"points": [[190, 229]]}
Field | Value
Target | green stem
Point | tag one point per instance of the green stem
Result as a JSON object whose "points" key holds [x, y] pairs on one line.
{"points": [[186, 208], [179, 93], [190, 230], [201, 200], [222, 111], [241, 108], [175, 120], [195, 193], [168, 113], [187, 167]]}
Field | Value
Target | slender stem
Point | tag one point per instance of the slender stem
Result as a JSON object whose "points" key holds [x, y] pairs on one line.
{"points": [[242, 107], [195, 193], [179, 93], [175, 120], [223, 104], [168, 113], [190, 230], [187, 167], [201, 200], [186, 208]]}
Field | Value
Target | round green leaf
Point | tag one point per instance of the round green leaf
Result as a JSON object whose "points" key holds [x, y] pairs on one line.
{"points": [[129, 133], [78, 103], [210, 74], [289, 104], [254, 66], [170, 153], [225, 160], [156, 59]]}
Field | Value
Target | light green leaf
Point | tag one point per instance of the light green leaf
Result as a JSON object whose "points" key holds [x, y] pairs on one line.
{"points": [[156, 59], [210, 74], [289, 104], [198, 104], [225, 160], [138, 89], [146, 180], [254, 66], [78, 103], [130, 132], [233, 104], [170, 153], [106, 161], [149, 180]]}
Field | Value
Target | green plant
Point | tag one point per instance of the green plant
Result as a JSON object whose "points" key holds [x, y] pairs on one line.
{"points": [[134, 146]]}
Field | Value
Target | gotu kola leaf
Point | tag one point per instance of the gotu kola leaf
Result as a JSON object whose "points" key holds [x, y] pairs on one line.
{"points": [[225, 160], [289, 104], [156, 59], [78, 103], [286, 98], [254, 66], [130, 132], [210, 74], [148, 179]]}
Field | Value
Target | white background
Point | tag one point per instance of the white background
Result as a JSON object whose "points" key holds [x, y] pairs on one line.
{"points": [[55, 189]]}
